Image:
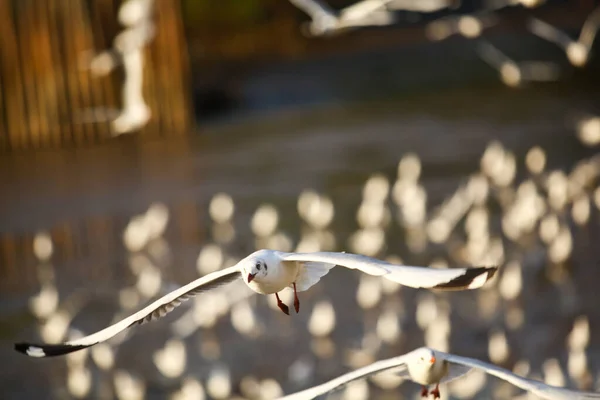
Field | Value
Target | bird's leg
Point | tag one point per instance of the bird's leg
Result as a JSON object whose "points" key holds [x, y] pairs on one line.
{"points": [[424, 391], [436, 392], [296, 301], [282, 305]]}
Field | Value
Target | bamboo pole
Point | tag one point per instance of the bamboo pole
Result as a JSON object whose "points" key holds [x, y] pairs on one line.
{"points": [[11, 75], [46, 67], [25, 38], [63, 129], [43, 71], [70, 62], [105, 87], [160, 45], [81, 44], [4, 142]]}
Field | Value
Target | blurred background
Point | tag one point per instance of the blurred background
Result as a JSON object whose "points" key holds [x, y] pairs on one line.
{"points": [[145, 143]]}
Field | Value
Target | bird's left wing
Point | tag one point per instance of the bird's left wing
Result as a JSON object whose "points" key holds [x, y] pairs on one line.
{"points": [[341, 381], [416, 277], [538, 388], [157, 309], [590, 28]]}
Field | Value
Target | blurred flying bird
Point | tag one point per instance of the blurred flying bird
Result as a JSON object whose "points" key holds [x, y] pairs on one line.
{"points": [[426, 366], [326, 21], [469, 26], [513, 73], [578, 51]]}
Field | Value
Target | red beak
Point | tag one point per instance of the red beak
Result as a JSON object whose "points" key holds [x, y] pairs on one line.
{"points": [[251, 277], [432, 360]]}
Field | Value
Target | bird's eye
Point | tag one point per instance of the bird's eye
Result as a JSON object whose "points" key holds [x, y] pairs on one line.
{"points": [[258, 265]]}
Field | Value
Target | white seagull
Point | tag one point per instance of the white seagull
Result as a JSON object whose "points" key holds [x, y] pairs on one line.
{"points": [[269, 272], [515, 73], [426, 366], [578, 51]]}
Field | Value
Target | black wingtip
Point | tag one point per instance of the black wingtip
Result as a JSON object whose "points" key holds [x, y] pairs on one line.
{"points": [[47, 350], [21, 347], [466, 280]]}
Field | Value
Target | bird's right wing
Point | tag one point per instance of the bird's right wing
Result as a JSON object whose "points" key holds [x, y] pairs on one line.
{"points": [[339, 382], [538, 388], [157, 309], [549, 32], [314, 8]]}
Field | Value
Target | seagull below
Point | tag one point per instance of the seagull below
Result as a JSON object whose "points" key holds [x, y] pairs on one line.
{"points": [[426, 366], [269, 272]]}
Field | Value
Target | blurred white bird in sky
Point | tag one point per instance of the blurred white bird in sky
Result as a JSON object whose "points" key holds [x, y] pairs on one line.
{"points": [[426, 367]]}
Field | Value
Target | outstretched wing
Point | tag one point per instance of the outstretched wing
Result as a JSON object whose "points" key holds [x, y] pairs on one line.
{"points": [[416, 277], [590, 29], [538, 388], [341, 381], [157, 309]]}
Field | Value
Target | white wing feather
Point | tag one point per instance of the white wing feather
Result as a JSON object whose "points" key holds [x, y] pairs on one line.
{"points": [[339, 382], [155, 310], [416, 277], [538, 388], [459, 366]]}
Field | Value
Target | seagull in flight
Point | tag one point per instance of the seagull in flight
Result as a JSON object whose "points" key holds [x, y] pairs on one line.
{"points": [[426, 367], [578, 51], [325, 20], [515, 73], [269, 272]]}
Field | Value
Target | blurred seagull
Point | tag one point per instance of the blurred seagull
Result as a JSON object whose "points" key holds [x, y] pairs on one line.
{"points": [[513, 73], [500, 4], [269, 272], [469, 26], [578, 51], [325, 20], [426, 366], [423, 6]]}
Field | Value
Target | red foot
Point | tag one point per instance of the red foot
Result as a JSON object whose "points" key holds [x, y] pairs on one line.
{"points": [[282, 305], [296, 301], [424, 392], [436, 392]]}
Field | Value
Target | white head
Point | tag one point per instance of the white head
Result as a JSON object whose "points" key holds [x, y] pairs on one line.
{"points": [[424, 357], [422, 366], [257, 264]]}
